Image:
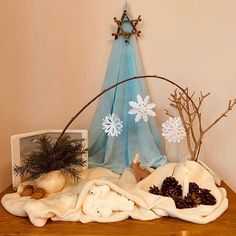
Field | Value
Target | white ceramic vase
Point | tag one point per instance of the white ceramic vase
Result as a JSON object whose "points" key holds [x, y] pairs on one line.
{"points": [[51, 182]]}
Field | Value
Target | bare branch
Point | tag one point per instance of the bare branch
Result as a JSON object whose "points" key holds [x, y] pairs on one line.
{"points": [[187, 125], [200, 101], [173, 105], [204, 96], [231, 104], [192, 94], [188, 112], [168, 114]]}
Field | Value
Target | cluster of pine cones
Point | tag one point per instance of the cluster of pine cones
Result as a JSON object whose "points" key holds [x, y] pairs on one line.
{"points": [[195, 197]]}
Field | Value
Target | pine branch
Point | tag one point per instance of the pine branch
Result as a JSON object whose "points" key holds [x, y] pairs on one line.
{"points": [[67, 157]]}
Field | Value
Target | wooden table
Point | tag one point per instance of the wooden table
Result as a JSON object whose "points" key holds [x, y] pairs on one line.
{"points": [[224, 225]]}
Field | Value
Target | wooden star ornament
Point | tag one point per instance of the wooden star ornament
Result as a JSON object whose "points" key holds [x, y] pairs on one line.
{"points": [[120, 30]]}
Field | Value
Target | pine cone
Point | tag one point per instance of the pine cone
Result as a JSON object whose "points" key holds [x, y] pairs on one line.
{"points": [[168, 185], [169, 182], [206, 197], [193, 187], [180, 203], [171, 192], [195, 197], [192, 200], [155, 190], [179, 189]]}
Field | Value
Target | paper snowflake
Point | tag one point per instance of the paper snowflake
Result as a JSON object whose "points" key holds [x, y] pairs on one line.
{"points": [[173, 130], [112, 125], [142, 108]]}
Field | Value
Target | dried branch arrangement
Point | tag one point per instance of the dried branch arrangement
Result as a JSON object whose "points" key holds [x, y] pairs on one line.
{"points": [[191, 117]]}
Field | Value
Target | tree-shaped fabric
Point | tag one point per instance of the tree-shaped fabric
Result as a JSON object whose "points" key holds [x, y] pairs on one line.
{"points": [[137, 137]]}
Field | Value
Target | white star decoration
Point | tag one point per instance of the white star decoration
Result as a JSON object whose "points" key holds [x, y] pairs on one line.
{"points": [[173, 130], [112, 125], [142, 108]]}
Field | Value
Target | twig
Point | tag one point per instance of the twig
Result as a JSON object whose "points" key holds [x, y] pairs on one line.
{"points": [[168, 114], [231, 104], [188, 111], [114, 86]]}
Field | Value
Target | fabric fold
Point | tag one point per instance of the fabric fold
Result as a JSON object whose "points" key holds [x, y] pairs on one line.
{"points": [[138, 203]]}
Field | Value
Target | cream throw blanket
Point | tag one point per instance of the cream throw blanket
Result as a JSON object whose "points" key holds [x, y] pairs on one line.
{"points": [[104, 196]]}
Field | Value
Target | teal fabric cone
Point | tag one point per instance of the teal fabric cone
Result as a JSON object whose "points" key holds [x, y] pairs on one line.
{"points": [[116, 152]]}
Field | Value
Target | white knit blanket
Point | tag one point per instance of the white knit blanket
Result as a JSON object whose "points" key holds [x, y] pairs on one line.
{"points": [[104, 196]]}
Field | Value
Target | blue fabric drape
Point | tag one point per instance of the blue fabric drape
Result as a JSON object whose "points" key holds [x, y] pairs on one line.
{"points": [[116, 152]]}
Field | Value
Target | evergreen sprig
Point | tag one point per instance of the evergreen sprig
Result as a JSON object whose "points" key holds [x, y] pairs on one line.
{"points": [[64, 155]]}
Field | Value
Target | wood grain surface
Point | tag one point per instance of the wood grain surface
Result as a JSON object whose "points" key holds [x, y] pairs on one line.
{"points": [[224, 225]]}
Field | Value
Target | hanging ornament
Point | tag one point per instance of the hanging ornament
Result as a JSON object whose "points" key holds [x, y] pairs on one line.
{"points": [[112, 125], [121, 31], [142, 108], [173, 130]]}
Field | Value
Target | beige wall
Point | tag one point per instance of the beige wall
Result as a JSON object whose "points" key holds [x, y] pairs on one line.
{"points": [[53, 56]]}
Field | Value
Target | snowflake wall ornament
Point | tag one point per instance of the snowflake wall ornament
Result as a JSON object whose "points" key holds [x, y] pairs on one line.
{"points": [[142, 108], [112, 125], [173, 130]]}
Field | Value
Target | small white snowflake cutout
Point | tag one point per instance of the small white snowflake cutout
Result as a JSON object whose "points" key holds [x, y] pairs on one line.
{"points": [[173, 130], [112, 125], [142, 108]]}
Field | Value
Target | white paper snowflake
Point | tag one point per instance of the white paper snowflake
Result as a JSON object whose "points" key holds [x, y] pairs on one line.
{"points": [[173, 130], [142, 108], [112, 125]]}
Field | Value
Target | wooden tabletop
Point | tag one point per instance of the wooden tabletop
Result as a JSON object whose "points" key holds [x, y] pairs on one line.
{"points": [[224, 225]]}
